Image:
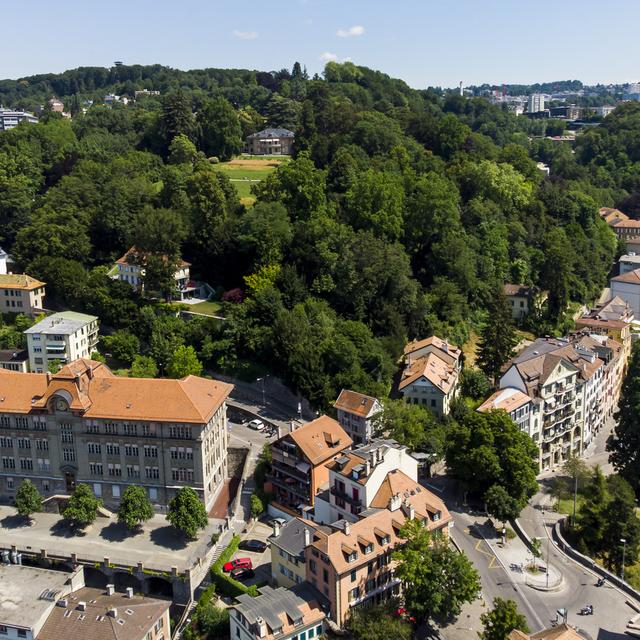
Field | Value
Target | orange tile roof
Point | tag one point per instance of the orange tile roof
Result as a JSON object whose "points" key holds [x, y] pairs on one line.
{"points": [[561, 632], [439, 343], [91, 388], [425, 503], [130, 258], [508, 399], [626, 224], [596, 322], [440, 373], [19, 281], [632, 277], [320, 439], [354, 402]]}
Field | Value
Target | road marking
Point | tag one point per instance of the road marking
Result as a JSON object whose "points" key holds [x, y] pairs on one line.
{"points": [[492, 561]]}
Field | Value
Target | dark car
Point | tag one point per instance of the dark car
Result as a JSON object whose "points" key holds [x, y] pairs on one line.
{"points": [[242, 574], [253, 545]]}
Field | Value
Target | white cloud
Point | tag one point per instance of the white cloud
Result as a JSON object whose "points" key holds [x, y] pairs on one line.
{"points": [[356, 30], [327, 56], [244, 35]]}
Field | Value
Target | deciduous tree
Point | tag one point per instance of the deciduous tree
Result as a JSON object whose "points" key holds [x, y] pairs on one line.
{"points": [[135, 507], [82, 508], [187, 513], [28, 499], [502, 620]]}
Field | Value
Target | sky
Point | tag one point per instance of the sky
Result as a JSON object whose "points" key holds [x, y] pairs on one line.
{"points": [[424, 42]]}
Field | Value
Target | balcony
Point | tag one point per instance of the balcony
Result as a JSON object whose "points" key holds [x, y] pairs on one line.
{"points": [[291, 471], [291, 486], [345, 496]]}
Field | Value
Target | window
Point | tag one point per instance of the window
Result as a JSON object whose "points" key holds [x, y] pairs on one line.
{"points": [[180, 432], [26, 464], [153, 494], [66, 433], [24, 443], [43, 464], [152, 472], [94, 447], [354, 575], [354, 594], [131, 450], [312, 566], [148, 430], [22, 423], [130, 430], [42, 445], [133, 471], [69, 455], [114, 470], [45, 485], [97, 489], [115, 491], [113, 449], [6, 443], [150, 451], [8, 463], [370, 568], [325, 575], [10, 484], [352, 557], [95, 468], [22, 633]]}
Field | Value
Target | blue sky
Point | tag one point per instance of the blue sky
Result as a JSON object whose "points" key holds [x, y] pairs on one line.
{"points": [[425, 42]]}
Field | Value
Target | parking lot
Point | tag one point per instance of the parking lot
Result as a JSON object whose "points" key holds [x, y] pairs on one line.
{"points": [[243, 435], [261, 561]]}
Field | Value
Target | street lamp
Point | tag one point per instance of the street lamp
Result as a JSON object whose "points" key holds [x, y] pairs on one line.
{"points": [[262, 380], [624, 548]]}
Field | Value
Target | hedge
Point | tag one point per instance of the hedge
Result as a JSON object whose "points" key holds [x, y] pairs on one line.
{"points": [[225, 584]]}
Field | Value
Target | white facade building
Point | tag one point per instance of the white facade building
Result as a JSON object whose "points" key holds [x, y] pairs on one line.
{"points": [[356, 477], [535, 103], [4, 259], [63, 337], [9, 119]]}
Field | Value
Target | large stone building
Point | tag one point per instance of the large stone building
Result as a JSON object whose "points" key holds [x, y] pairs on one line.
{"points": [[356, 412], [270, 142], [86, 425], [62, 337]]}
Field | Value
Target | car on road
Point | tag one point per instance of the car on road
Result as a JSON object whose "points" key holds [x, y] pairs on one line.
{"points": [[253, 545], [238, 563], [256, 424], [242, 574]]}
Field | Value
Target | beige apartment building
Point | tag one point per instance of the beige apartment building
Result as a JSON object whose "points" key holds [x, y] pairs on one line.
{"points": [[84, 424], [20, 293]]}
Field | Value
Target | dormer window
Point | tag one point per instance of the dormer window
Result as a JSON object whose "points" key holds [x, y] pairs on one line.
{"points": [[352, 557], [368, 549], [436, 516], [386, 540]]}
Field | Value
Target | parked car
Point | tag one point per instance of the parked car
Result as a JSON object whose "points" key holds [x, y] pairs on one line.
{"points": [[256, 424], [253, 545], [238, 563], [242, 574]]}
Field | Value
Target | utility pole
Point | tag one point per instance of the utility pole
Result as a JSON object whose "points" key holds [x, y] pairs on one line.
{"points": [[575, 499], [624, 548], [262, 380]]}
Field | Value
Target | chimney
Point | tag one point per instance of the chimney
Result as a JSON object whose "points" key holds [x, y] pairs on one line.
{"points": [[113, 612], [409, 510], [367, 468], [307, 537], [48, 374], [110, 589], [129, 592], [347, 528], [261, 627], [276, 529], [82, 606], [395, 503]]}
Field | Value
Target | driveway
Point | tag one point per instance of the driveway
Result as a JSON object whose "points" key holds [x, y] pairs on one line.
{"points": [[261, 561]]}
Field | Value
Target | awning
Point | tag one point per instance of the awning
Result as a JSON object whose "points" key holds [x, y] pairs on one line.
{"points": [[303, 466]]}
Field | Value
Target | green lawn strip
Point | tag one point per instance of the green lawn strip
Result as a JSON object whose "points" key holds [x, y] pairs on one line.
{"points": [[225, 584], [209, 307]]}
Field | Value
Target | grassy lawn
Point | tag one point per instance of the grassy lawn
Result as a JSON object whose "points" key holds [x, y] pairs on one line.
{"points": [[210, 307], [565, 505], [245, 171]]}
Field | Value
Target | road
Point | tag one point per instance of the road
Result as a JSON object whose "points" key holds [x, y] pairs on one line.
{"points": [[610, 606]]}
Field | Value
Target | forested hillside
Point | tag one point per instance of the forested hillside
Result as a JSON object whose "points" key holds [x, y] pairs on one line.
{"points": [[401, 214]]}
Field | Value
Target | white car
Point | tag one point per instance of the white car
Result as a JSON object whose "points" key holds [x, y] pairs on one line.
{"points": [[256, 424]]}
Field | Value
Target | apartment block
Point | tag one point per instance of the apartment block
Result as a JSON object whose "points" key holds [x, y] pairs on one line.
{"points": [[430, 376], [355, 413], [11, 118], [356, 477], [84, 424], [299, 459], [62, 337], [14, 360], [20, 293]]}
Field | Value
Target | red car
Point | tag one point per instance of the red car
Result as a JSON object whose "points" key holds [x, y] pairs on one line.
{"points": [[238, 563]]}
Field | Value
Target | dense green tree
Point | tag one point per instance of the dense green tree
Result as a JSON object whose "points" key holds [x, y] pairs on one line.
{"points": [[623, 444], [184, 362], [257, 507], [620, 522], [82, 507], [182, 151], [502, 620], [500, 504], [590, 524], [28, 499], [187, 513], [437, 580], [498, 337], [143, 367], [122, 345], [135, 507], [177, 117], [474, 384], [220, 130], [378, 622]]}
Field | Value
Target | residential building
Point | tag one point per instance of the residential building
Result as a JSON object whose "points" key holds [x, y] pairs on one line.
{"points": [[268, 142], [299, 463], [277, 613], [627, 287], [604, 111], [28, 596], [10, 118], [560, 632], [430, 377], [617, 330], [104, 614], [612, 216], [4, 260], [627, 231], [352, 566], [287, 545], [566, 112], [565, 378], [20, 293], [14, 360], [61, 338], [130, 268], [628, 262], [355, 479], [535, 103], [520, 407], [523, 299], [355, 414], [141, 93], [57, 106], [84, 424]]}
